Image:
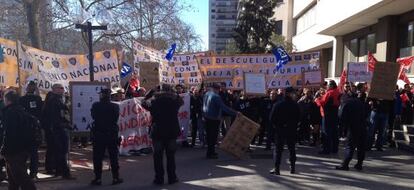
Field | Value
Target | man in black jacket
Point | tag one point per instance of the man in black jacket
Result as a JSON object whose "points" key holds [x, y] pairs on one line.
{"points": [[353, 116], [105, 136], [17, 142], [285, 117], [33, 104], [56, 114], [165, 130]]}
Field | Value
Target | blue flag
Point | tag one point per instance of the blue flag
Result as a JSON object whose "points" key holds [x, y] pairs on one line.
{"points": [[125, 70], [171, 52], [1, 55], [282, 57]]}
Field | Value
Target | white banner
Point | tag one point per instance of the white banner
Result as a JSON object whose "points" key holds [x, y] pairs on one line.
{"points": [[134, 122], [184, 117], [182, 69], [48, 68]]}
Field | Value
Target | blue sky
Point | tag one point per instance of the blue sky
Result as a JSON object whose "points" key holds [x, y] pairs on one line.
{"points": [[198, 17]]}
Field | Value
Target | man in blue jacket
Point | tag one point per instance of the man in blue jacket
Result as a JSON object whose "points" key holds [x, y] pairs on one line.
{"points": [[213, 108]]}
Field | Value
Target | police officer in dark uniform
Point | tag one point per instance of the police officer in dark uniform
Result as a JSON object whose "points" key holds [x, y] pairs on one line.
{"points": [[105, 136], [353, 116], [33, 104], [285, 117]]}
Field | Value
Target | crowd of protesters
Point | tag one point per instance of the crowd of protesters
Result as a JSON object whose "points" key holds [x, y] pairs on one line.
{"points": [[288, 116]]}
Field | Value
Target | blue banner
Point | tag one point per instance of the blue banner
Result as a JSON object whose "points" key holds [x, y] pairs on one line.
{"points": [[171, 52], [282, 57], [125, 70]]}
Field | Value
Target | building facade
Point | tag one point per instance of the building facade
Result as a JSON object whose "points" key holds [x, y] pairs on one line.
{"points": [[284, 18], [222, 21], [345, 31]]}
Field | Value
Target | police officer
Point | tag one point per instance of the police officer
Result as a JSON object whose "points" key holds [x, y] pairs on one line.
{"points": [[352, 116], [33, 104], [105, 136], [285, 117]]}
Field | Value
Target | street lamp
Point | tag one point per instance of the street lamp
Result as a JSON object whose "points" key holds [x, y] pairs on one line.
{"points": [[83, 21]]}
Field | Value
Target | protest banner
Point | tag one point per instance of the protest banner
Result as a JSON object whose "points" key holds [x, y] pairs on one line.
{"points": [[134, 123], [239, 136], [384, 79], [147, 54], [312, 78], [149, 75], [358, 72], [184, 117], [254, 83], [8, 66], [182, 69], [47, 68], [229, 69], [83, 95]]}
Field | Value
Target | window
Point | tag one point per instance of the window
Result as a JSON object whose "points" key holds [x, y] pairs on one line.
{"points": [[356, 50], [371, 43], [213, 10], [213, 16], [279, 27], [307, 20], [407, 39]]}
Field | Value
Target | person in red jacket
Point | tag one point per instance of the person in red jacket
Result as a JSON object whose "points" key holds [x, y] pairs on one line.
{"points": [[330, 103]]}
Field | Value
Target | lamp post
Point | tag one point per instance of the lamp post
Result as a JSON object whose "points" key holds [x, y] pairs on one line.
{"points": [[85, 24]]}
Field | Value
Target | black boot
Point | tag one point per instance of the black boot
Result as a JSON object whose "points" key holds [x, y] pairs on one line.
{"points": [[275, 171], [292, 169], [96, 181]]}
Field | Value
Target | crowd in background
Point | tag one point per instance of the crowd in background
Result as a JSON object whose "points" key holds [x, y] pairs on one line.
{"points": [[324, 116]]}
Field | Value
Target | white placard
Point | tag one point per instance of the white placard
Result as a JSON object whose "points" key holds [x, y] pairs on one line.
{"points": [[255, 83], [358, 72], [84, 94], [312, 78]]}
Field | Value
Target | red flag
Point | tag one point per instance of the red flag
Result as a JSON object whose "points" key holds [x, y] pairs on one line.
{"points": [[406, 61], [342, 80], [371, 62], [402, 76]]}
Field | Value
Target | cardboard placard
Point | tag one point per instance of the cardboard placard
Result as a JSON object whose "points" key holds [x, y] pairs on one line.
{"points": [[83, 95], [312, 78], [384, 80], [358, 72], [239, 136], [149, 75], [255, 83]]}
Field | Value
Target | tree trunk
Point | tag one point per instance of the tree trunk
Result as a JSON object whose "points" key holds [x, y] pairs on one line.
{"points": [[32, 14]]}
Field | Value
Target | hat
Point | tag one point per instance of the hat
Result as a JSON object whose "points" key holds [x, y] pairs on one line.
{"points": [[117, 90], [32, 83], [105, 91]]}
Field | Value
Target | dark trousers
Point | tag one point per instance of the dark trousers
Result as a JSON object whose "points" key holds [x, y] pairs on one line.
{"points": [[378, 124], [50, 160], [169, 146], [212, 130], [99, 147], [330, 139], [17, 172], [270, 135], [282, 139], [34, 160], [355, 141], [62, 152], [194, 127], [304, 131]]}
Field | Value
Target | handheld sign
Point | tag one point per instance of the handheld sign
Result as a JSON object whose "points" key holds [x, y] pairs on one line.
{"points": [[255, 83], [83, 95], [384, 80], [312, 78], [358, 72]]}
